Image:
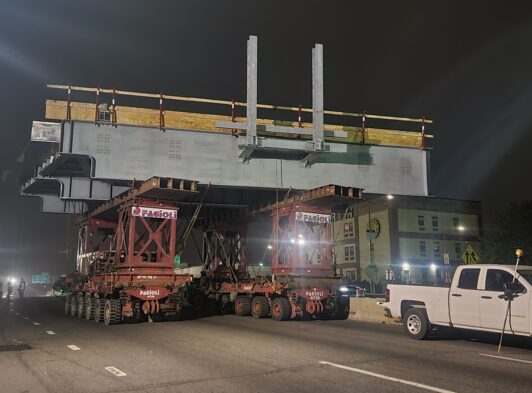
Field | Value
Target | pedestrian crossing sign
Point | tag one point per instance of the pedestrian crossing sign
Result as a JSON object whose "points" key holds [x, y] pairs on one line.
{"points": [[470, 256]]}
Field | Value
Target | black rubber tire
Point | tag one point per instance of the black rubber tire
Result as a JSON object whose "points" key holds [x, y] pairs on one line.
{"points": [[198, 303], [173, 317], [226, 305], [342, 310], [112, 313], [260, 307], [90, 305], [212, 306], [416, 323], [281, 309], [243, 306], [74, 305], [98, 309], [68, 304], [81, 306]]}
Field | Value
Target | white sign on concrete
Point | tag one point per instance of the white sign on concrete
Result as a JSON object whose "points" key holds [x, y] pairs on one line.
{"points": [[42, 131]]}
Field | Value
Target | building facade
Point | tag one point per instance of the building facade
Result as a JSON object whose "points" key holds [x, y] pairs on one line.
{"points": [[406, 238]]}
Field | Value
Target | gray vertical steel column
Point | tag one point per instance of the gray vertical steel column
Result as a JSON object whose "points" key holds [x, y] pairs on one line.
{"points": [[317, 96], [251, 110]]}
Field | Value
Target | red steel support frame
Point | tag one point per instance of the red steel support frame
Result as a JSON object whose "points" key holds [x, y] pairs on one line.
{"points": [[161, 112], [97, 109], [422, 133], [302, 244]]}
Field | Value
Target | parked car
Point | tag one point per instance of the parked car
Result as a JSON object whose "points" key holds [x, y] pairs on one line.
{"points": [[353, 290]]}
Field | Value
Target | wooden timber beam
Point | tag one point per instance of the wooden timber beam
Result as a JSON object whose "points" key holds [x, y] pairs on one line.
{"points": [[237, 103], [82, 111]]}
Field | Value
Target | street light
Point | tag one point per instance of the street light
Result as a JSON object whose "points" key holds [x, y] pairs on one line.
{"points": [[460, 228], [389, 196]]}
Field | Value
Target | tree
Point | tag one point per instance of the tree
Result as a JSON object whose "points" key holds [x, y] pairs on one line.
{"points": [[510, 229]]}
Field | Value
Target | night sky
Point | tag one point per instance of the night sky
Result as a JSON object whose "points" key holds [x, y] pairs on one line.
{"points": [[466, 65]]}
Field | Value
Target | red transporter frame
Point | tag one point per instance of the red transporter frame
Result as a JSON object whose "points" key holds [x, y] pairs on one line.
{"points": [[138, 274], [302, 241], [94, 242], [303, 282]]}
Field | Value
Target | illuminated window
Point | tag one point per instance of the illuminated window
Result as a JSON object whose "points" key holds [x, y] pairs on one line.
{"points": [[421, 222], [435, 224], [422, 248], [436, 249], [349, 229], [456, 222], [349, 253]]}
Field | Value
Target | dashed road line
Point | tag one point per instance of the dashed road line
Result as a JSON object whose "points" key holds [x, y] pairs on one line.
{"points": [[393, 379], [115, 371], [506, 358], [17, 313], [50, 332], [74, 347], [26, 317], [36, 323]]}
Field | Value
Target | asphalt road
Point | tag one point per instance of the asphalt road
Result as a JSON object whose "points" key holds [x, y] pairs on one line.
{"points": [[241, 354]]}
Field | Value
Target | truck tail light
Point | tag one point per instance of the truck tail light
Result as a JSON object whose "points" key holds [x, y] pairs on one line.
{"points": [[387, 295]]}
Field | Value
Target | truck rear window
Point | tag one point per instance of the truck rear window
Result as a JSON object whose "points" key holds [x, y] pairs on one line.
{"points": [[469, 279]]}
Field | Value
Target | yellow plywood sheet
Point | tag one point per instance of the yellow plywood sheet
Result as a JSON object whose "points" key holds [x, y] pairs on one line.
{"points": [[82, 111]]}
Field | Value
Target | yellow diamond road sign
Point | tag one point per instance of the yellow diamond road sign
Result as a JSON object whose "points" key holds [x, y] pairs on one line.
{"points": [[470, 256]]}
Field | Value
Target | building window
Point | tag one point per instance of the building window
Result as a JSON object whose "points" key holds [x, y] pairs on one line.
{"points": [[436, 249], [421, 222], [456, 222], [435, 224], [458, 249], [349, 229], [422, 248], [349, 253]]}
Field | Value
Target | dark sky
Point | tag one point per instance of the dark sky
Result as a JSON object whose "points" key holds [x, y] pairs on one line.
{"points": [[465, 64]]}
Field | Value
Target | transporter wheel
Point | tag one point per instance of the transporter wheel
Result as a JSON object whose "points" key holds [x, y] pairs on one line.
{"points": [[90, 305], [342, 310], [112, 313], [98, 309], [416, 323], [81, 305], [281, 309], [212, 306], [260, 307], [74, 305], [68, 304], [242, 306], [198, 303], [173, 317], [226, 305]]}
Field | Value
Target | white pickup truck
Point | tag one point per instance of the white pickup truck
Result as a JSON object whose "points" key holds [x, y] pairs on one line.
{"points": [[473, 301]]}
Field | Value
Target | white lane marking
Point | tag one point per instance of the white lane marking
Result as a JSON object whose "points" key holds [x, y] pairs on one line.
{"points": [[36, 323], [74, 347], [17, 313], [26, 317], [506, 358], [115, 371], [50, 332], [11, 310], [381, 376]]}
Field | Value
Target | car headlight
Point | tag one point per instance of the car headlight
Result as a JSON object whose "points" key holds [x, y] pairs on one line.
{"points": [[344, 289]]}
